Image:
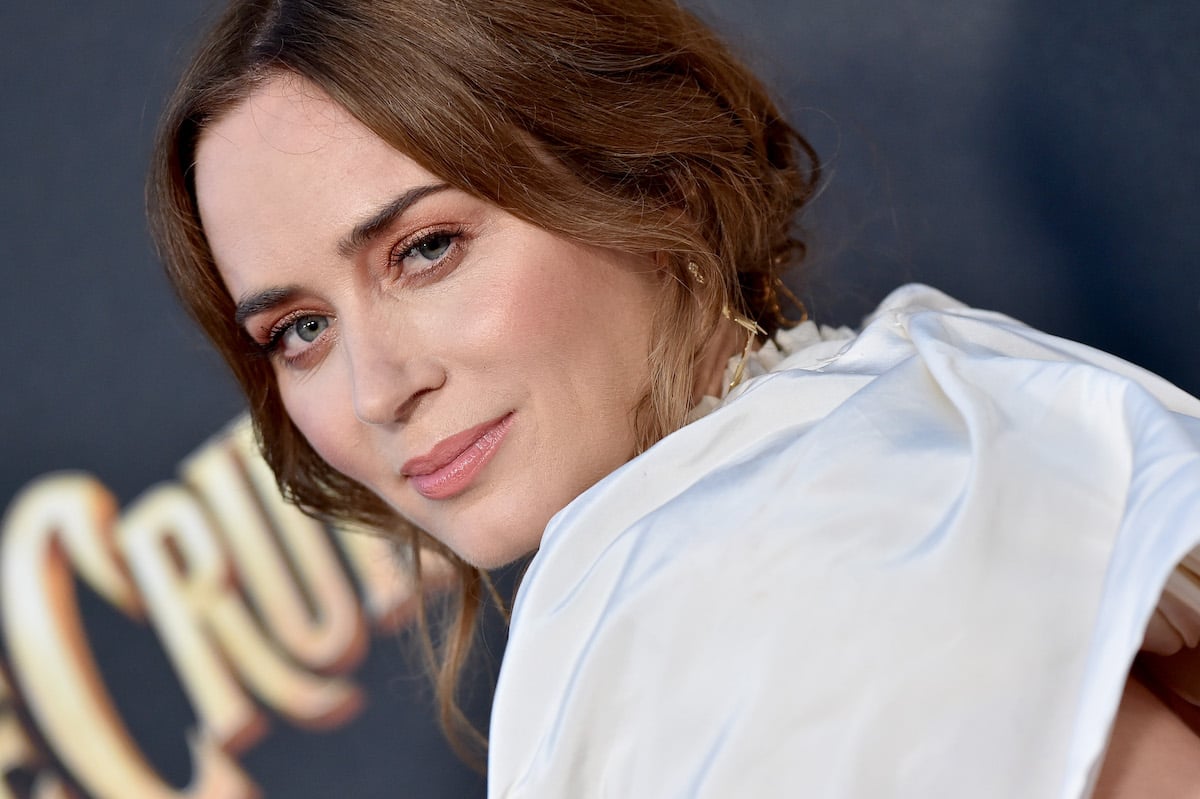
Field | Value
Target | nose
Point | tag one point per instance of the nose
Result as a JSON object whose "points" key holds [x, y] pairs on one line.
{"points": [[389, 374]]}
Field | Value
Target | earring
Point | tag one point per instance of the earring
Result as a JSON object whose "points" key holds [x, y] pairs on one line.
{"points": [[695, 272], [774, 289], [752, 329]]}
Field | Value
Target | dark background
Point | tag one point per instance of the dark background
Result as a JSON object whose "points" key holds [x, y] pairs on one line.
{"points": [[1041, 159]]}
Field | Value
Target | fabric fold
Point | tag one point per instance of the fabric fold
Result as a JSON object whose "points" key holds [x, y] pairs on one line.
{"points": [[917, 561]]}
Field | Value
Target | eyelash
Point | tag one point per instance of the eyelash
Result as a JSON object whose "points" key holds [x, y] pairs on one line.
{"points": [[281, 328], [410, 245]]}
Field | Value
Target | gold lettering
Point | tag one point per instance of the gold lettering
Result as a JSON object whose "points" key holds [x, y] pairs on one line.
{"points": [[248, 596], [388, 577], [60, 522], [49, 786], [285, 560], [389, 588], [204, 623], [16, 750]]}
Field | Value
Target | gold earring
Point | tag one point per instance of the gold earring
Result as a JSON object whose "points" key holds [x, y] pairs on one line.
{"points": [[776, 288], [752, 329]]}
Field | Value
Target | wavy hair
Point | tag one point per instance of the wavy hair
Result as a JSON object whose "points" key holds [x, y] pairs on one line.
{"points": [[623, 124]]}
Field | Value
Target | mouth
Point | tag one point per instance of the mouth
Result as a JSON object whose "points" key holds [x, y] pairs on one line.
{"points": [[451, 466]]}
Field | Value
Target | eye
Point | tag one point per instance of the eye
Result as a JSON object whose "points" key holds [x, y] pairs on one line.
{"points": [[433, 247], [426, 254], [308, 328], [295, 338]]}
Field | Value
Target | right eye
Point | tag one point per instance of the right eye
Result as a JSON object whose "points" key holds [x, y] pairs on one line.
{"points": [[293, 337], [308, 328]]}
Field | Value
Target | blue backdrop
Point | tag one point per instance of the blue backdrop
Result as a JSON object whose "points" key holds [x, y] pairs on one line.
{"points": [[1038, 159]]}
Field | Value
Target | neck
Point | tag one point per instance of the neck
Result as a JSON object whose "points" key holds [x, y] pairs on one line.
{"points": [[728, 340]]}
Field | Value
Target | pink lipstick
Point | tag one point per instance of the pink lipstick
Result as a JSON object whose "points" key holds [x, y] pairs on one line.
{"points": [[450, 467]]}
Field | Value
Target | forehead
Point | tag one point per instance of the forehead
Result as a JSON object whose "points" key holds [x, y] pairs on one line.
{"points": [[285, 173], [285, 123]]}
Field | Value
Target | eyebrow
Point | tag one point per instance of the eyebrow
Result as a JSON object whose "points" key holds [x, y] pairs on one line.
{"points": [[382, 219], [262, 301]]}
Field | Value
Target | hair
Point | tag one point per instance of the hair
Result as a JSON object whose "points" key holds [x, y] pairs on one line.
{"points": [[618, 123]]}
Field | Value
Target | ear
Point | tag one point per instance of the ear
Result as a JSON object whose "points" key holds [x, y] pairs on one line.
{"points": [[717, 348]]}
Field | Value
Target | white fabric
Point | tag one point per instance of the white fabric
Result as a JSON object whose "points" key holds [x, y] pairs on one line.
{"points": [[915, 563]]}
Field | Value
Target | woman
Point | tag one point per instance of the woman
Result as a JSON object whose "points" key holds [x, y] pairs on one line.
{"points": [[477, 267]]}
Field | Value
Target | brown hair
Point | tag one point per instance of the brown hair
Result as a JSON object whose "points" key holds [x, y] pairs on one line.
{"points": [[619, 123]]}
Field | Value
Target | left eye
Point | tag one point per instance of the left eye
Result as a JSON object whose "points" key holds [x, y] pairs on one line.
{"points": [[427, 256], [431, 248]]}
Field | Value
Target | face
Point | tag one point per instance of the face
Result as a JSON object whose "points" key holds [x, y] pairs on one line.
{"points": [[475, 371]]}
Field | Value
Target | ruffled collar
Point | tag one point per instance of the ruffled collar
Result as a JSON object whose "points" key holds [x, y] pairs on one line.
{"points": [[807, 341]]}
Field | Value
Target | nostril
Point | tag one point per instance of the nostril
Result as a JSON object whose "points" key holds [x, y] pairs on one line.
{"points": [[409, 406]]}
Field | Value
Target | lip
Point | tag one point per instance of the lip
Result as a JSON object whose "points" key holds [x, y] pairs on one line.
{"points": [[450, 467]]}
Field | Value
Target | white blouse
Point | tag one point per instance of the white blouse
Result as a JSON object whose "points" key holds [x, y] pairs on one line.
{"points": [[915, 562]]}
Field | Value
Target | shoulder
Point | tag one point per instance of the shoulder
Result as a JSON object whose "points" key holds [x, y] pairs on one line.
{"points": [[852, 560]]}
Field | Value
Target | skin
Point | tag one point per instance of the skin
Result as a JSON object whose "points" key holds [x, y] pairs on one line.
{"points": [[452, 315], [1151, 752]]}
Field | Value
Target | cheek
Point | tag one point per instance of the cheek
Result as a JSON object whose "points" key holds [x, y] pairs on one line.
{"points": [[562, 304], [323, 416], [510, 322]]}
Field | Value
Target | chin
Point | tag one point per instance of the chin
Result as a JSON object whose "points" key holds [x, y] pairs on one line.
{"points": [[490, 546], [502, 524], [485, 557]]}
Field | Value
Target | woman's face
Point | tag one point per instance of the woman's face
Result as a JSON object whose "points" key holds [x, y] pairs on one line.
{"points": [[476, 371]]}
